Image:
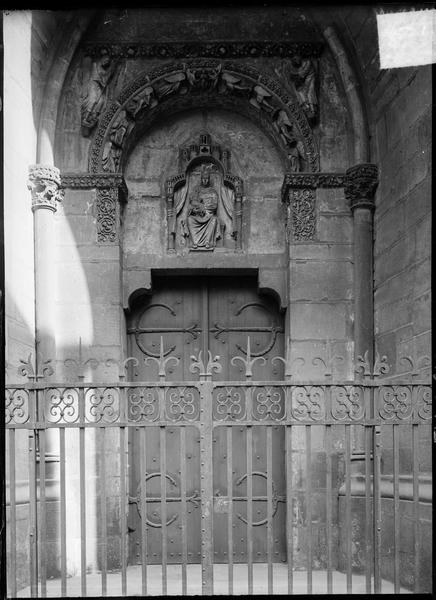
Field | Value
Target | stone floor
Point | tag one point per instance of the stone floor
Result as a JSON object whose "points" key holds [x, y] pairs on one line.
{"points": [[174, 582]]}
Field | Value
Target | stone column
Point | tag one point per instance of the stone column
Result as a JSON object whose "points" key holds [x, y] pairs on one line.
{"points": [[360, 185], [44, 184]]}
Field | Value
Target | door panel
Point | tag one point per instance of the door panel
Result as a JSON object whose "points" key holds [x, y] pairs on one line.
{"points": [[217, 314]]}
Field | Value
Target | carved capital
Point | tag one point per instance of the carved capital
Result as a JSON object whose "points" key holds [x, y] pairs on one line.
{"points": [[360, 184], [45, 186]]}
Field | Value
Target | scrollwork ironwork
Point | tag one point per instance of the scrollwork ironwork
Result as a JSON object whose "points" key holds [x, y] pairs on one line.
{"points": [[102, 405], [308, 403], [62, 405], [229, 404], [16, 406], [143, 404], [395, 402], [347, 403], [268, 403], [182, 404]]}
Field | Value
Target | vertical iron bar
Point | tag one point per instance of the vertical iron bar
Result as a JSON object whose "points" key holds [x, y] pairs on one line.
{"points": [[63, 511], [33, 515], [230, 511], [249, 442], [82, 512], [377, 510], [13, 513], [415, 467], [42, 536], [143, 475], [328, 435], [183, 507], [289, 511], [309, 506], [206, 490], [103, 513], [123, 511], [269, 493], [396, 484], [368, 485], [348, 505], [163, 494]]}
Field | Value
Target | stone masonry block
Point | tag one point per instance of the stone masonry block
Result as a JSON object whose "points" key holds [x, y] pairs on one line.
{"points": [[332, 200], [334, 228], [333, 252], [321, 281], [318, 321], [394, 259]]}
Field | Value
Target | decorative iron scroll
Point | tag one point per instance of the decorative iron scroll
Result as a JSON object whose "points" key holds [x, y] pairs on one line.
{"points": [[275, 499], [194, 499]]}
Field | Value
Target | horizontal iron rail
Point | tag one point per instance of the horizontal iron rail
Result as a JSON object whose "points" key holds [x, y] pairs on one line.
{"points": [[41, 385]]}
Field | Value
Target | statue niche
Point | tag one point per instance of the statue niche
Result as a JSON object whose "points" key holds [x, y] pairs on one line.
{"points": [[204, 201]]}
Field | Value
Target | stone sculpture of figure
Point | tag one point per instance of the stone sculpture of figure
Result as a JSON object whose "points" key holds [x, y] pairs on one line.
{"points": [[232, 83], [203, 79], [204, 210], [146, 99], [294, 146], [114, 146], [171, 84], [260, 98], [302, 73], [202, 225], [94, 99]]}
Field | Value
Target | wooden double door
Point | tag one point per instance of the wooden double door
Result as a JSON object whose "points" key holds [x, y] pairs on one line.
{"points": [[188, 315]]}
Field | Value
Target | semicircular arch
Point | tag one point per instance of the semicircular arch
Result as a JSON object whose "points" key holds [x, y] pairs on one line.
{"points": [[177, 87]]}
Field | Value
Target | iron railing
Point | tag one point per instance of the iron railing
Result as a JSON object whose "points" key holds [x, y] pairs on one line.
{"points": [[345, 449]]}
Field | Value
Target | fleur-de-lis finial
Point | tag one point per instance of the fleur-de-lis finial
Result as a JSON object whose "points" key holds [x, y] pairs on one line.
{"points": [[81, 364], [213, 364], [329, 361], [288, 361], [362, 365], [381, 366], [248, 362], [162, 361]]}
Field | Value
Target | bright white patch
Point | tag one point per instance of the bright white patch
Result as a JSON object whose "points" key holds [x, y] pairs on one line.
{"points": [[407, 38]]}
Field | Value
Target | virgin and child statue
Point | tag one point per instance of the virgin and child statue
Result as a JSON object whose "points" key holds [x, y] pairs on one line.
{"points": [[204, 209]]}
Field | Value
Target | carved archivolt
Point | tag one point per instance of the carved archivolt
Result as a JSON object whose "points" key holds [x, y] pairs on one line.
{"points": [[199, 82]]}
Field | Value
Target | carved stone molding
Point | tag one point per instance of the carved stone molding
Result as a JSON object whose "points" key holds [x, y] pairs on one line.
{"points": [[187, 84], [249, 49], [360, 185], [107, 211], [93, 180], [45, 186], [301, 215], [312, 180]]}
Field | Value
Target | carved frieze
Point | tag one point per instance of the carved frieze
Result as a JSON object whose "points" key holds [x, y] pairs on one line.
{"points": [[301, 215], [93, 180], [45, 186], [360, 185], [204, 201], [311, 181], [190, 81], [249, 49], [107, 215]]}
